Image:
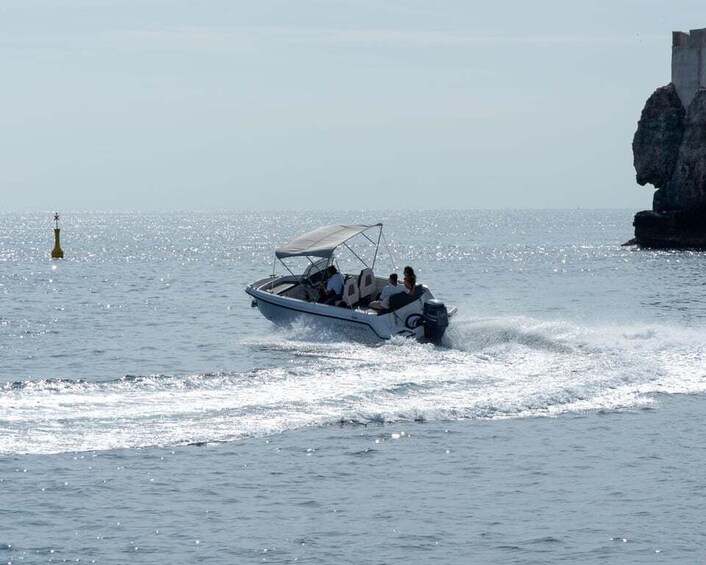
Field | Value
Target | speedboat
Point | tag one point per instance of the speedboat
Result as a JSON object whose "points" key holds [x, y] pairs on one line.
{"points": [[294, 296]]}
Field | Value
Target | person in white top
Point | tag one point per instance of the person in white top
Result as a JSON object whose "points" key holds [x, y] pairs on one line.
{"points": [[332, 290], [389, 290]]}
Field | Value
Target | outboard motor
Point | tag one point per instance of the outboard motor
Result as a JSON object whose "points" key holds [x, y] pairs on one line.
{"points": [[436, 320]]}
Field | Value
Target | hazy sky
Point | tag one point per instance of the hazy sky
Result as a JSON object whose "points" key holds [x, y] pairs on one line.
{"points": [[223, 104]]}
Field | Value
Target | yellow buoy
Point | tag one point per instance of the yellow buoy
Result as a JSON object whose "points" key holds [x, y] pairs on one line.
{"points": [[57, 252]]}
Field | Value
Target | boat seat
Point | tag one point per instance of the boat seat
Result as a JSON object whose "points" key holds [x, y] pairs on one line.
{"points": [[402, 298], [351, 294], [366, 284]]}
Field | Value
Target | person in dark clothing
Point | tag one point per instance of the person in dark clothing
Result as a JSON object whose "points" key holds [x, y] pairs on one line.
{"points": [[410, 279]]}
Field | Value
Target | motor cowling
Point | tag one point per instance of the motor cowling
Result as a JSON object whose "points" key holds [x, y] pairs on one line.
{"points": [[436, 320]]}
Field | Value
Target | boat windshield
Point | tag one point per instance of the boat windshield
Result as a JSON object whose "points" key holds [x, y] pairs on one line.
{"points": [[314, 272]]}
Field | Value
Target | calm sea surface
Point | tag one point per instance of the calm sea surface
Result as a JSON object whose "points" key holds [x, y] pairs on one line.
{"points": [[148, 414]]}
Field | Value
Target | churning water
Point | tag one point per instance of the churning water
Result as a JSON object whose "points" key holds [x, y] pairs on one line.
{"points": [[136, 379]]}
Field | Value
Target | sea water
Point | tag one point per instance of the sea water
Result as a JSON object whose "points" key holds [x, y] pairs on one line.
{"points": [[148, 414]]}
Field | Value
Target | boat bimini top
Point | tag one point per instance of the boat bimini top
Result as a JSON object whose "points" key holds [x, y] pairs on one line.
{"points": [[323, 241]]}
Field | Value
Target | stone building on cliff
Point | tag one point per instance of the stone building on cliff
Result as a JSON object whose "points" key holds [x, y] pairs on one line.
{"points": [[688, 63], [669, 150]]}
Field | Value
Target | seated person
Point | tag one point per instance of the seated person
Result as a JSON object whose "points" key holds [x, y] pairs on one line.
{"points": [[410, 280], [332, 290], [393, 288]]}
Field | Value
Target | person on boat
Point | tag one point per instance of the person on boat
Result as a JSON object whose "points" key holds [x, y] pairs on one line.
{"points": [[393, 288], [332, 290], [410, 279]]}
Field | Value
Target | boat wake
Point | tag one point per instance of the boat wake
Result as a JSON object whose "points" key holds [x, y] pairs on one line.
{"points": [[490, 368]]}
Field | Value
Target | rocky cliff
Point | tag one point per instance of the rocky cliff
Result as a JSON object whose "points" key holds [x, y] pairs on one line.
{"points": [[669, 150]]}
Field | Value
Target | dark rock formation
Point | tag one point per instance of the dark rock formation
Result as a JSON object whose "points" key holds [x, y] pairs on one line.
{"points": [[669, 150], [655, 147], [687, 187], [670, 230]]}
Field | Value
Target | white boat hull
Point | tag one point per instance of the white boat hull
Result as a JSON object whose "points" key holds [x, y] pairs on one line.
{"points": [[365, 324]]}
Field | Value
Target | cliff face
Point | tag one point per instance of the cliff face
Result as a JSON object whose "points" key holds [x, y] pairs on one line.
{"points": [[659, 134], [686, 189], [669, 150]]}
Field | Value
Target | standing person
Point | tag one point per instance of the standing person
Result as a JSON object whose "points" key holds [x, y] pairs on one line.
{"points": [[410, 279], [332, 290], [389, 290]]}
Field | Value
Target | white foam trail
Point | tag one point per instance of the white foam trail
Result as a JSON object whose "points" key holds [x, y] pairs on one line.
{"points": [[495, 368]]}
